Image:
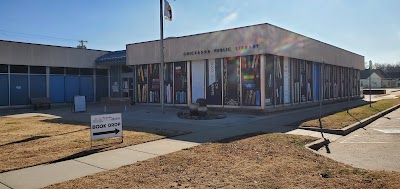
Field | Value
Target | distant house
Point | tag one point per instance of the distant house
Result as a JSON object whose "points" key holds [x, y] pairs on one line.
{"points": [[395, 78], [379, 79]]}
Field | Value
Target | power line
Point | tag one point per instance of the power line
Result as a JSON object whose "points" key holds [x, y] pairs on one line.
{"points": [[34, 36]]}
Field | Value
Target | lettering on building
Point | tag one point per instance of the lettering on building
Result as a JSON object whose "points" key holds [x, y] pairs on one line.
{"points": [[221, 50]]}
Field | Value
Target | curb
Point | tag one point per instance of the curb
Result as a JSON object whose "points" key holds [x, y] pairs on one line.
{"points": [[355, 126], [316, 145]]}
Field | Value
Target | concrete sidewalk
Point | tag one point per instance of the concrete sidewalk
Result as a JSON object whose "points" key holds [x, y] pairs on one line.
{"points": [[202, 131], [44, 175]]}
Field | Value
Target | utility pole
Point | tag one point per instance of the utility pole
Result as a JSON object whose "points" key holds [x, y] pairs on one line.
{"points": [[81, 45]]}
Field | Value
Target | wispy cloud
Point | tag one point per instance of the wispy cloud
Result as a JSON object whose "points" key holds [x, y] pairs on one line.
{"points": [[232, 16]]}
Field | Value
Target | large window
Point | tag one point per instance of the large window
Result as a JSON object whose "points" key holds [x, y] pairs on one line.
{"points": [[72, 71], [342, 82], [180, 78], [269, 81], [296, 80], [18, 69], [141, 79], [57, 70], [278, 61], [86, 71], [154, 83], [232, 81], [251, 80], [3, 68], [303, 80], [326, 74], [310, 86], [214, 82], [274, 81], [38, 69], [168, 83]]}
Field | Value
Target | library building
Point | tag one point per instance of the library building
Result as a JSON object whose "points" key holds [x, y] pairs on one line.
{"points": [[255, 67], [260, 67]]}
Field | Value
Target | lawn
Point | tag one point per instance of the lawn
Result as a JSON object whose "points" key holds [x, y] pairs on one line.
{"points": [[343, 119], [263, 161], [30, 141]]}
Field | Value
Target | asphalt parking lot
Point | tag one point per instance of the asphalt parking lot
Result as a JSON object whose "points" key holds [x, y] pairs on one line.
{"points": [[375, 147]]}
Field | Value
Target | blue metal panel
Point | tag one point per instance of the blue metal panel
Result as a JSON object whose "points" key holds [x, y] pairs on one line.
{"points": [[86, 87], [38, 86], [19, 90], [71, 88], [101, 87], [3, 90], [57, 89]]}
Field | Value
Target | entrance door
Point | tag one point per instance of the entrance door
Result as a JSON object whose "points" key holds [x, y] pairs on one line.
{"points": [[127, 87]]}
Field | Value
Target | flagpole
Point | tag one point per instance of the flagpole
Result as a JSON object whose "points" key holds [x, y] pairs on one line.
{"points": [[162, 56]]}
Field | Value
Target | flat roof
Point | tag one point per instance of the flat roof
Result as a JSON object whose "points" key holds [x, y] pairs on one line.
{"points": [[171, 38], [51, 45]]}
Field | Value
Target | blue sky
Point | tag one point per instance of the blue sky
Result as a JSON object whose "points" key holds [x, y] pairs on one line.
{"points": [[367, 27]]}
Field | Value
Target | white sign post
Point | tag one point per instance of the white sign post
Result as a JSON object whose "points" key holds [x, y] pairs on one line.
{"points": [[105, 126], [79, 103]]}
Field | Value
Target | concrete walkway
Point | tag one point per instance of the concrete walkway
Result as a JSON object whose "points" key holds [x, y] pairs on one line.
{"points": [[202, 131], [375, 146], [44, 175]]}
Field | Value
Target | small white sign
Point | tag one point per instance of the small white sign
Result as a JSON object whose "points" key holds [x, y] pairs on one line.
{"points": [[105, 126], [115, 88], [18, 87], [79, 103]]}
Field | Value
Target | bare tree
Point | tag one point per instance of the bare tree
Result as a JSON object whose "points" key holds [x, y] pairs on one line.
{"points": [[387, 67]]}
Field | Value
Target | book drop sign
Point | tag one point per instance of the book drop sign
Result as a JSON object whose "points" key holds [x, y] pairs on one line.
{"points": [[105, 126]]}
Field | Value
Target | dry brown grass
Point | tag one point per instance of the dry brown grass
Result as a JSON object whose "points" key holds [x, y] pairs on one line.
{"points": [[36, 140], [343, 119], [265, 161]]}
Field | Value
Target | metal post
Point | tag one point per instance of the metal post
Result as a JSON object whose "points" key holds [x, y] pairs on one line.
{"points": [[162, 56], [321, 78], [348, 98], [370, 69]]}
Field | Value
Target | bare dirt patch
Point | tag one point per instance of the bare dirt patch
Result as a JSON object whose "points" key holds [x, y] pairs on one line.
{"points": [[343, 119], [29, 141], [264, 161]]}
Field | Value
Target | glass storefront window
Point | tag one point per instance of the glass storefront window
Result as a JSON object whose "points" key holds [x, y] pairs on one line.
{"points": [[296, 80], [3, 68], [154, 83], [326, 80], [269, 81], [141, 78], [303, 80], [37, 69], [310, 86], [180, 84], [250, 66], [232, 81], [72, 71], [18, 69], [57, 70], [278, 92], [214, 82], [168, 83]]}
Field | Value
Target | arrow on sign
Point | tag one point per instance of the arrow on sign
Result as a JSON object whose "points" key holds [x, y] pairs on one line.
{"points": [[106, 132]]}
